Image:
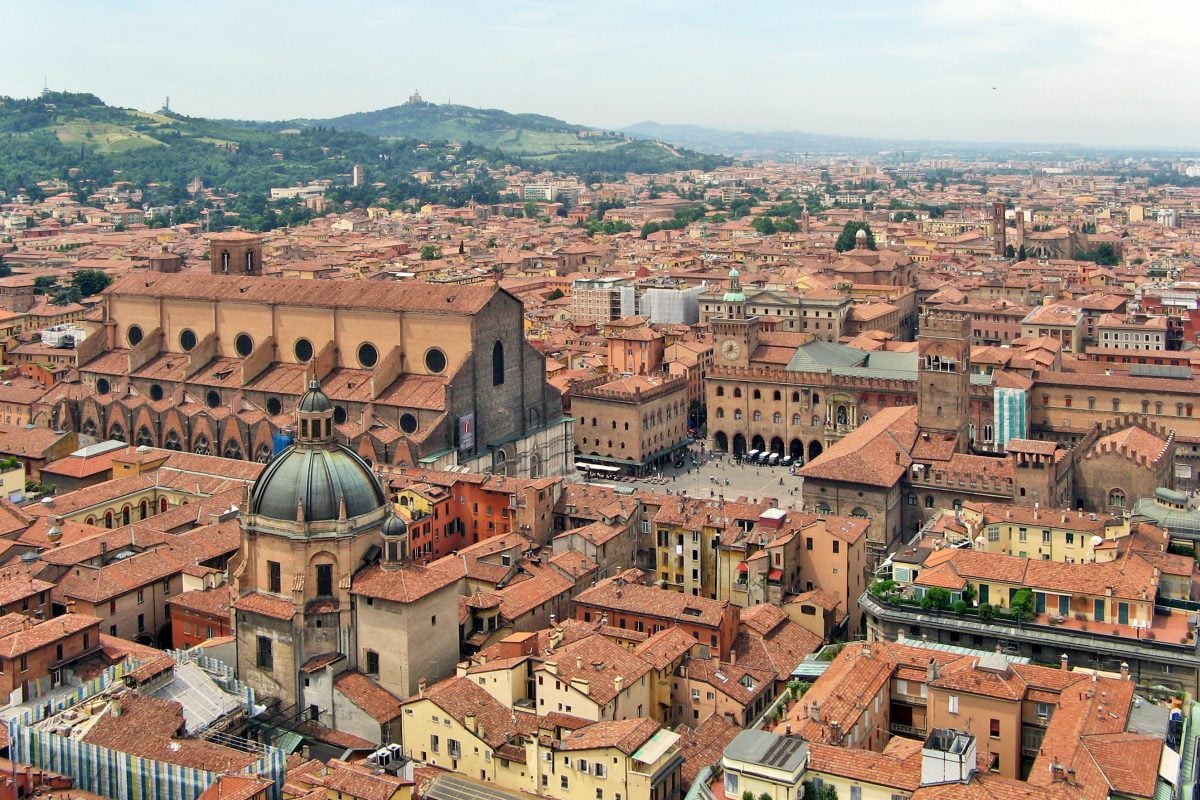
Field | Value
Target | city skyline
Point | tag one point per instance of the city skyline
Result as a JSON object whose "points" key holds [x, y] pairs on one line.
{"points": [[1095, 74]]}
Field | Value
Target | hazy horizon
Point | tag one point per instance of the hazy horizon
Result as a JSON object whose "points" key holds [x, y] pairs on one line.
{"points": [[1101, 74]]}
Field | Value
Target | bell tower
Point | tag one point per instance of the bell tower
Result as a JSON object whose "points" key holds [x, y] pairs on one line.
{"points": [[235, 253], [944, 376]]}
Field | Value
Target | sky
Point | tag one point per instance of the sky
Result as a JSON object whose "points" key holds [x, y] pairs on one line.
{"points": [[1093, 72]]}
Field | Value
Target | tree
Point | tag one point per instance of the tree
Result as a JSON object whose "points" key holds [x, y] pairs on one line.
{"points": [[90, 281], [826, 792], [1010, 252], [430, 253], [42, 284], [5, 270], [1021, 255], [530, 210], [66, 296], [847, 239], [1105, 255], [557, 294], [1022, 604], [937, 598], [763, 225]]}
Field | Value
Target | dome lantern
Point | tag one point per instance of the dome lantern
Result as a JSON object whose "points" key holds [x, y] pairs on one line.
{"points": [[314, 416]]}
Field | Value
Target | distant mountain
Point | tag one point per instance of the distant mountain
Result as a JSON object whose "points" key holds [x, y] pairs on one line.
{"points": [[793, 143], [741, 143], [534, 138]]}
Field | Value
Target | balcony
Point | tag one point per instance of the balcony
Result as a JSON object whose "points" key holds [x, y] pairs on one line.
{"points": [[908, 699], [907, 730]]}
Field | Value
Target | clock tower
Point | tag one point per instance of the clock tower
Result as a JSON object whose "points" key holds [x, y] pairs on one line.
{"points": [[735, 335]]}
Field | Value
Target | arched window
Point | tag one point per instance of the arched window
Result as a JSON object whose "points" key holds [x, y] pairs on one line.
{"points": [[737, 391], [108, 519], [929, 501], [757, 394], [143, 509], [125, 511], [720, 413], [758, 416], [795, 397], [1158, 408], [263, 454], [777, 418], [162, 506], [720, 391], [858, 511], [737, 413], [1091, 404], [203, 447], [843, 416], [1116, 404], [497, 364], [795, 419], [1116, 498], [822, 507], [172, 441], [1146, 406], [143, 437], [224, 261], [116, 433], [777, 395]]}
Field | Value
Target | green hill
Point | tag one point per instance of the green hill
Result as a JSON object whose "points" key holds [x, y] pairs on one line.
{"points": [[516, 134], [79, 139], [534, 138]]}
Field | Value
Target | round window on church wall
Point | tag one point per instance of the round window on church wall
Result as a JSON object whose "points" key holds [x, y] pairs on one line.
{"points": [[303, 350], [368, 356], [243, 344], [134, 335], [435, 360], [156, 392], [213, 398], [102, 385], [274, 406], [408, 423], [187, 339]]}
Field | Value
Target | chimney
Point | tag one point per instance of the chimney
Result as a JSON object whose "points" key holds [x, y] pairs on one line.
{"points": [[115, 707], [932, 671], [1124, 670], [1062, 661], [619, 683], [816, 712], [578, 662], [470, 722]]}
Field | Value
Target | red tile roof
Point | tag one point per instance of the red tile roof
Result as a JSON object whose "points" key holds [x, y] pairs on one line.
{"points": [[378, 703]]}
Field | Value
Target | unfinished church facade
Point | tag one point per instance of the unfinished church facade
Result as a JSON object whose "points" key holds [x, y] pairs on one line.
{"points": [[418, 374]]}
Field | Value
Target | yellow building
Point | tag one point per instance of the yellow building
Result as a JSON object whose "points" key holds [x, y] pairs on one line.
{"points": [[457, 725], [12, 477], [781, 767], [1048, 534]]}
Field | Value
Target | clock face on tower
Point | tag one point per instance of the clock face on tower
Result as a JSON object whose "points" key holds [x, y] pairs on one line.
{"points": [[730, 350]]}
